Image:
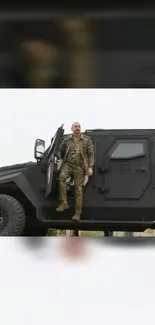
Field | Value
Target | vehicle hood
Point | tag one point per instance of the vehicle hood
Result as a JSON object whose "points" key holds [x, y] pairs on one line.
{"points": [[8, 170]]}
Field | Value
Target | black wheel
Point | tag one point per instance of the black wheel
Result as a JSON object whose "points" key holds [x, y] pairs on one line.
{"points": [[35, 232], [12, 216], [108, 234], [76, 233]]}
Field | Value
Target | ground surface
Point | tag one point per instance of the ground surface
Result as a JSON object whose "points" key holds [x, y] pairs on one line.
{"points": [[147, 233]]}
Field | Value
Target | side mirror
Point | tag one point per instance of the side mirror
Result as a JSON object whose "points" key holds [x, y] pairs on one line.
{"points": [[39, 149]]}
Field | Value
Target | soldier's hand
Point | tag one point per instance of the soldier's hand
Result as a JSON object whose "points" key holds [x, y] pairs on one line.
{"points": [[90, 171]]}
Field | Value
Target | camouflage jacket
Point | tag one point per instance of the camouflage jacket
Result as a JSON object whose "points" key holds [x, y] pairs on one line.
{"points": [[86, 149]]}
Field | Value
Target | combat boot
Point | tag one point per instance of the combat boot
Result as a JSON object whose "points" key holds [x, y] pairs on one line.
{"points": [[76, 217], [62, 206]]}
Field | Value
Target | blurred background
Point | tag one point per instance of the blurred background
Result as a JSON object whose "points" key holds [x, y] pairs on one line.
{"points": [[77, 46]]}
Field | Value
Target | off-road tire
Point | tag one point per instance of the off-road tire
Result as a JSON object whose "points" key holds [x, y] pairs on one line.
{"points": [[13, 215]]}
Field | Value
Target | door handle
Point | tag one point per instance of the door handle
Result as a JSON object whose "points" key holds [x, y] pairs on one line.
{"points": [[142, 169], [103, 170]]}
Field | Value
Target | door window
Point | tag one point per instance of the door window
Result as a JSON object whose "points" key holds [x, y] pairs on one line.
{"points": [[128, 150]]}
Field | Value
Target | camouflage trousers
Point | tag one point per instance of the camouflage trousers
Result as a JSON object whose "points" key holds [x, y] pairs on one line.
{"points": [[78, 173]]}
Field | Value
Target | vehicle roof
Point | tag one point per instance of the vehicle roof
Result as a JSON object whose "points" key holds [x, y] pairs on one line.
{"points": [[117, 132], [129, 132]]}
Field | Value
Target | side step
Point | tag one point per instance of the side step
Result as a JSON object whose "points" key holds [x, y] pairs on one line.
{"points": [[107, 225]]}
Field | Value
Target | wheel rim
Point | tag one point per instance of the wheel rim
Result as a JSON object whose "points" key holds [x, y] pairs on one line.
{"points": [[3, 218]]}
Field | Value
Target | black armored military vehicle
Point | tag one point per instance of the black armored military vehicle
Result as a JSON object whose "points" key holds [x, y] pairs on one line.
{"points": [[119, 196]]}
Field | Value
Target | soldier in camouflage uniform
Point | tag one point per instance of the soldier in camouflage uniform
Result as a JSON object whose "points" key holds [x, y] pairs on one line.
{"points": [[77, 153]]}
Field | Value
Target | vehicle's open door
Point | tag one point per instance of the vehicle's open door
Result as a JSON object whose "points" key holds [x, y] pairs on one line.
{"points": [[51, 159]]}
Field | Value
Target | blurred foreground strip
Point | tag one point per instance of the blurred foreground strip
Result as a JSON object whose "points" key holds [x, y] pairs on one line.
{"points": [[74, 248]]}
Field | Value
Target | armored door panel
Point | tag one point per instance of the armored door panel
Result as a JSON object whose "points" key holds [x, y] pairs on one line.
{"points": [[128, 164], [53, 151]]}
